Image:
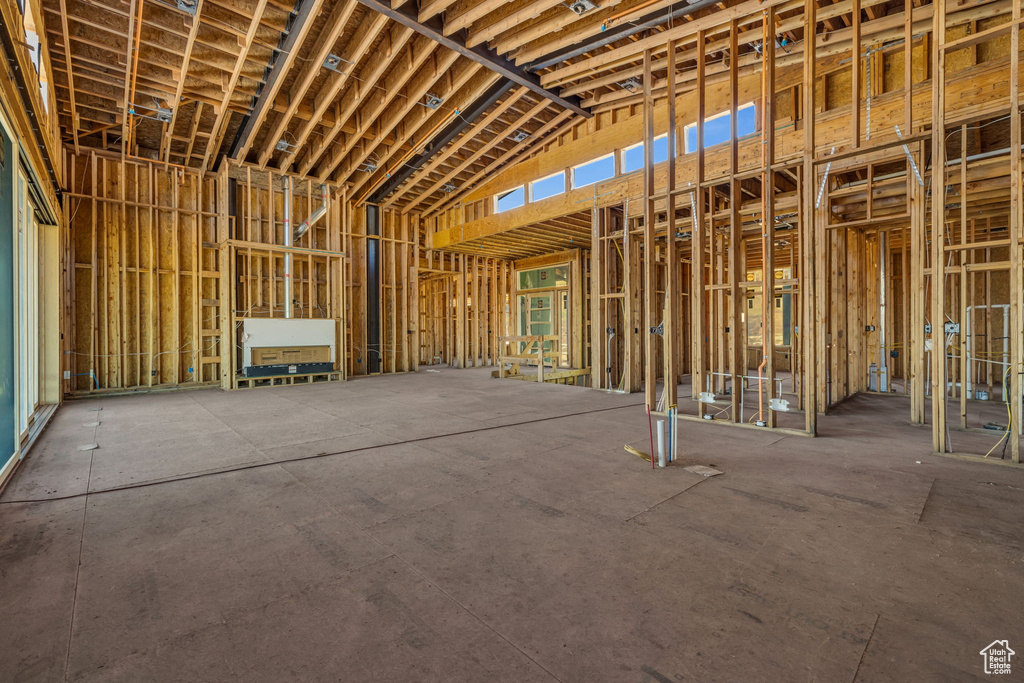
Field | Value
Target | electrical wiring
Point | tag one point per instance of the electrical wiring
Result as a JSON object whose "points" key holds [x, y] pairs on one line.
{"points": [[1009, 420]]}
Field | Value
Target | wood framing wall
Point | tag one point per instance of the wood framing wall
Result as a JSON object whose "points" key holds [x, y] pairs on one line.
{"points": [[166, 262], [255, 257], [398, 245], [144, 291], [830, 209], [464, 308]]}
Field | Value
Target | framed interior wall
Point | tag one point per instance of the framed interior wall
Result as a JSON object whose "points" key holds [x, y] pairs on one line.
{"points": [[549, 298]]}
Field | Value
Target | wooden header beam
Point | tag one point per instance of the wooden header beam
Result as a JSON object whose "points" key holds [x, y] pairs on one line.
{"points": [[434, 29]]}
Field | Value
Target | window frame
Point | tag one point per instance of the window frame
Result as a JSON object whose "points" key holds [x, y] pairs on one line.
{"points": [[622, 153], [692, 126], [501, 195], [572, 182], [531, 196]]}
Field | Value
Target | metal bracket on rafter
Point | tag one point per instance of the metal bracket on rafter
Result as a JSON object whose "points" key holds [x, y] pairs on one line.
{"points": [[630, 84], [333, 62], [581, 7]]}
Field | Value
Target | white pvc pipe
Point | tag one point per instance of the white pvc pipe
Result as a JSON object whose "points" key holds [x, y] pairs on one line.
{"points": [[660, 431]]}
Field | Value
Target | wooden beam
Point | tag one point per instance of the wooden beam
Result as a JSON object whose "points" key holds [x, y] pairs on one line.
{"points": [[281, 63], [434, 29]]}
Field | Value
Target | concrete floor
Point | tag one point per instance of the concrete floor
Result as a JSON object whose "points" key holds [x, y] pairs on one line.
{"points": [[536, 549]]}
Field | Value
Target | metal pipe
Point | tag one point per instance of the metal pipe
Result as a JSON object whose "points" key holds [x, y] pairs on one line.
{"points": [[288, 305], [317, 214], [662, 451]]}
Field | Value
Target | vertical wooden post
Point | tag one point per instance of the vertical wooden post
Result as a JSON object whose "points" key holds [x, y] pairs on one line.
{"points": [[698, 257], [650, 313], [597, 335], [1016, 235], [225, 283], [671, 343], [768, 211], [737, 298], [808, 249], [938, 229], [855, 80]]}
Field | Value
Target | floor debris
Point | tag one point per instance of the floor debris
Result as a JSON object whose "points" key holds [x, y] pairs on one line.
{"points": [[703, 470]]}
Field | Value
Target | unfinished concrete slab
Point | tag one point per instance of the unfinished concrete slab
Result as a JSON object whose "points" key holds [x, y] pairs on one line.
{"points": [[519, 550]]}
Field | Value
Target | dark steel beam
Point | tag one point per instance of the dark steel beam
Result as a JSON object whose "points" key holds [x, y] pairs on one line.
{"points": [[623, 30], [373, 261], [434, 29], [301, 14], [446, 135]]}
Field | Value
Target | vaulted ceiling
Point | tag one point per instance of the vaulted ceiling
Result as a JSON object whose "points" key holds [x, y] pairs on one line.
{"points": [[408, 102]]}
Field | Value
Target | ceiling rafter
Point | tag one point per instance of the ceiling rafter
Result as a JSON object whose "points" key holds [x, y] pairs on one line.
{"points": [[412, 99], [217, 131], [412, 123], [435, 30], [175, 103], [335, 84], [448, 200], [281, 62], [468, 134], [451, 131], [528, 116], [353, 99], [324, 46]]}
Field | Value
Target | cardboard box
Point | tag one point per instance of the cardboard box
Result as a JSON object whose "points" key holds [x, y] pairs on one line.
{"points": [[290, 355]]}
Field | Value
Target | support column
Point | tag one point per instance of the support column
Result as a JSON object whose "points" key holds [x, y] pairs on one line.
{"points": [[938, 229], [1016, 235], [808, 275], [698, 252], [373, 313], [650, 297]]}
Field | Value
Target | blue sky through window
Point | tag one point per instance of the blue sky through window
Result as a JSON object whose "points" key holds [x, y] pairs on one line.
{"points": [[511, 199], [547, 187], [633, 157], [716, 129], [594, 171]]}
